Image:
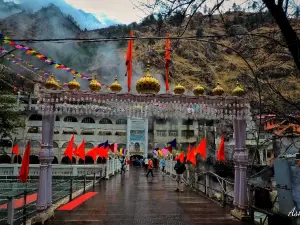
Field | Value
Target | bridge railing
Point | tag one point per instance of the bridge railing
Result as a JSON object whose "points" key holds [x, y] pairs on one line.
{"points": [[20, 207], [208, 183]]}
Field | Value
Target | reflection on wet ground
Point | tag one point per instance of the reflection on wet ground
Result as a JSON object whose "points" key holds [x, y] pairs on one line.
{"points": [[134, 199]]}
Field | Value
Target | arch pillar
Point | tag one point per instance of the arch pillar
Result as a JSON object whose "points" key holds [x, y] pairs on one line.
{"points": [[240, 159], [46, 155]]}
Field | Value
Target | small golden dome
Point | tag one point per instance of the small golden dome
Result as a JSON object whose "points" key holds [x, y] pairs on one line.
{"points": [[179, 89], [238, 91], [198, 90], [73, 84], [51, 83], [147, 84], [94, 86], [115, 86], [218, 90]]}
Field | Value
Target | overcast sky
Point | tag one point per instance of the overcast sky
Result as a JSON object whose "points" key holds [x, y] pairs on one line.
{"points": [[120, 10]]}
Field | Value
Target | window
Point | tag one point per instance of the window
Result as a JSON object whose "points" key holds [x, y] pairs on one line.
{"points": [[35, 144], [69, 131], [33, 130], [161, 133], [187, 122], [88, 145], [57, 118], [173, 133], [121, 121], [104, 133], [35, 117], [87, 132], [55, 145], [187, 133], [66, 145], [173, 122], [120, 133], [105, 121], [88, 120], [70, 119], [161, 121]]}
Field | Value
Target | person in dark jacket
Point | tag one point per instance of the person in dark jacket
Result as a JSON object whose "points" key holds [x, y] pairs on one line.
{"points": [[179, 168]]}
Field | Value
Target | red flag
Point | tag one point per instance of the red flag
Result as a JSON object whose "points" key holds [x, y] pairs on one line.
{"points": [[180, 157], [93, 153], [24, 171], [201, 149], [69, 150], [15, 150], [129, 62], [191, 157], [169, 148], [80, 151], [103, 152], [112, 147], [167, 61], [221, 151]]}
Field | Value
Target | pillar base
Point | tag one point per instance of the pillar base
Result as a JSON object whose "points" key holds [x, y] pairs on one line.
{"points": [[240, 215], [42, 217]]}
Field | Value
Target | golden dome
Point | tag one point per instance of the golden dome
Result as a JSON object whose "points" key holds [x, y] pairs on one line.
{"points": [[73, 84], [51, 83], [218, 90], [94, 85], [115, 86], [147, 84], [179, 89], [198, 90], [238, 91]]}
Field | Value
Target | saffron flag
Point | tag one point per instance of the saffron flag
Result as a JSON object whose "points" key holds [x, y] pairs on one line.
{"points": [[24, 171], [93, 153], [167, 61], [80, 151], [201, 149], [129, 62], [121, 151], [69, 150], [221, 151], [180, 157], [15, 150], [191, 157], [172, 143], [159, 152]]}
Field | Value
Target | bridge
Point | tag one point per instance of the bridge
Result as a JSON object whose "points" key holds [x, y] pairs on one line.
{"points": [[134, 199]]}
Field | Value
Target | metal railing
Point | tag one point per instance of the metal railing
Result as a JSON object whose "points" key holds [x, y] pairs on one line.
{"points": [[18, 208], [208, 183]]}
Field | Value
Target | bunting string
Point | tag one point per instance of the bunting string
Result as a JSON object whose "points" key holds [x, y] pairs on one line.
{"points": [[42, 57]]}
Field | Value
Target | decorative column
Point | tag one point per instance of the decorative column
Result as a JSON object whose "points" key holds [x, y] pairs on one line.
{"points": [[240, 159], [50, 159], [243, 162], [44, 157]]}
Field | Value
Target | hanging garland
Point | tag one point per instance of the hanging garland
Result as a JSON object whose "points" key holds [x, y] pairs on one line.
{"points": [[29, 51]]}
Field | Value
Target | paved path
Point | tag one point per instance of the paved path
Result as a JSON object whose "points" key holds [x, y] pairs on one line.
{"points": [[133, 199]]}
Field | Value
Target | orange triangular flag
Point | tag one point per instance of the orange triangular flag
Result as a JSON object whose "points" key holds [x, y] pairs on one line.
{"points": [[201, 149], [100, 151], [69, 150], [180, 157], [192, 157], [15, 150], [93, 153], [80, 151], [221, 151], [24, 171]]}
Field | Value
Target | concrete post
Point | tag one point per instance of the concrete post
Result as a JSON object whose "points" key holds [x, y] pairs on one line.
{"points": [[107, 169], [46, 155], [240, 159]]}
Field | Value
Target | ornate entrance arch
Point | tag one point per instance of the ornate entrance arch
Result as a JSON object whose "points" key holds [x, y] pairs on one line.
{"points": [[62, 102]]}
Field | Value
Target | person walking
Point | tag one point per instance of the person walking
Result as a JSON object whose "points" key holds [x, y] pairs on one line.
{"points": [[123, 164], [179, 168], [150, 168], [146, 163], [163, 165]]}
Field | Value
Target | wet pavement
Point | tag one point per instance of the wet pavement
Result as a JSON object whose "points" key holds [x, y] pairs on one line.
{"points": [[133, 199]]}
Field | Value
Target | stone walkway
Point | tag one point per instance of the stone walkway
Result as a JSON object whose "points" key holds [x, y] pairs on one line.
{"points": [[133, 199]]}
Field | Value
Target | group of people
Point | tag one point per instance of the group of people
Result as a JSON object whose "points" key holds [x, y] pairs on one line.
{"points": [[149, 164]]}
